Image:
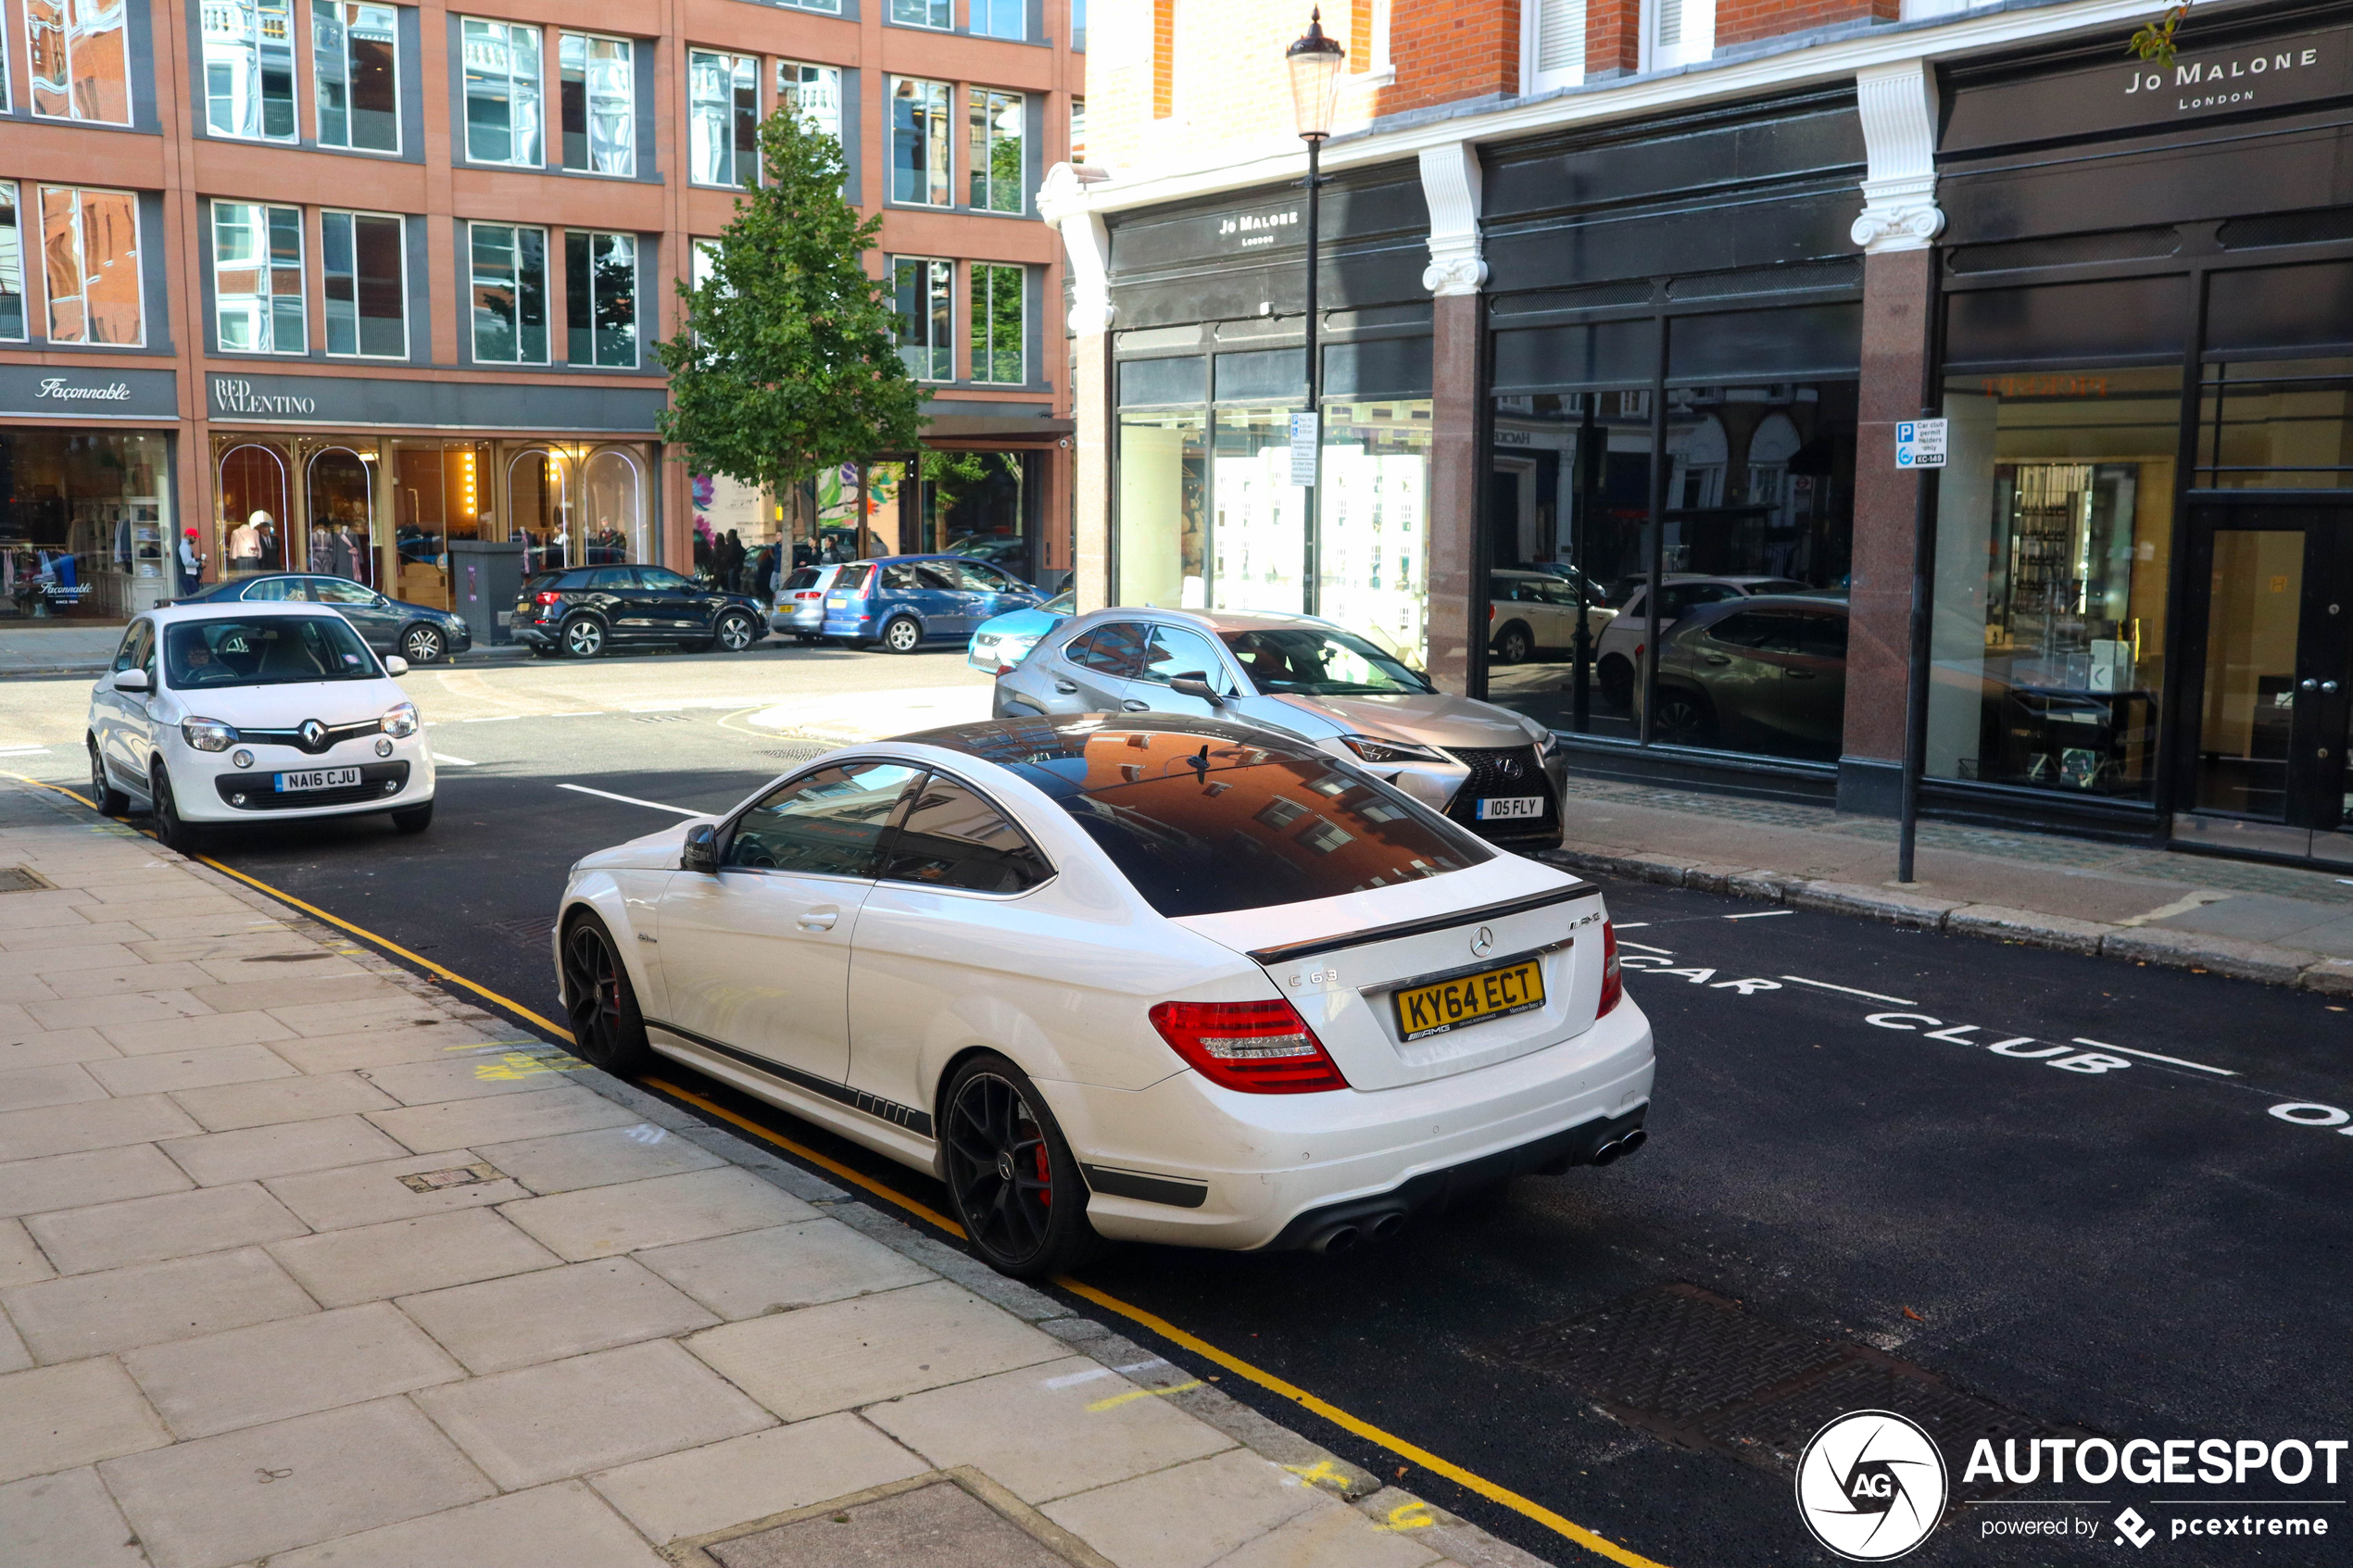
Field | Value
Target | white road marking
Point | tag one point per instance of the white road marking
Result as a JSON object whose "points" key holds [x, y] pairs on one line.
{"points": [[657, 708], [1623, 943], [2174, 1060], [2181, 906], [1639, 924], [632, 800], [455, 761], [1851, 991], [577, 714], [22, 750], [491, 719], [1761, 914]]}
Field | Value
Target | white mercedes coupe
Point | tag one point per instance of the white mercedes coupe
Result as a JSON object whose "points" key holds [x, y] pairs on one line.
{"points": [[1138, 976]]}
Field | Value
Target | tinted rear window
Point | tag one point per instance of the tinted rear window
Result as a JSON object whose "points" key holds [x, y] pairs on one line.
{"points": [[804, 578], [1202, 825]]}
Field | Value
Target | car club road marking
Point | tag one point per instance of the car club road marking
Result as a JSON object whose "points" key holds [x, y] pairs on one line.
{"points": [[632, 801], [1874, 996], [2175, 1060], [1761, 914], [455, 761]]}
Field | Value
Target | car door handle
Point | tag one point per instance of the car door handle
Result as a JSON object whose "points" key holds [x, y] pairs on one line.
{"points": [[1065, 688], [1132, 706], [1799, 675], [819, 920], [1717, 658]]}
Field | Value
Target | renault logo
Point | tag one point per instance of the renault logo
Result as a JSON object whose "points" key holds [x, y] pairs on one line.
{"points": [[1483, 944], [312, 733]]}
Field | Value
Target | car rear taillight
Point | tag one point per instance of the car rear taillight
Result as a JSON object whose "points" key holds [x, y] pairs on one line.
{"points": [[1613, 978], [808, 593], [1258, 1047], [548, 597]]}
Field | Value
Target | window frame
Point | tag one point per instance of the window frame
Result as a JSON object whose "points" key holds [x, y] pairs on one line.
{"points": [[587, 239], [473, 286], [256, 53], [509, 32], [979, 325], [724, 838], [264, 262], [983, 139], [68, 45], [12, 240], [733, 140], [81, 267], [1021, 14], [839, 105], [944, 10], [317, 62], [940, 140], [352, 216], [935, 350], [565, 38], [888, 846]]}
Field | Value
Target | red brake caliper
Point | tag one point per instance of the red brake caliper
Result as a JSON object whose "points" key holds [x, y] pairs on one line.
{"points": [[1045, 1175]]}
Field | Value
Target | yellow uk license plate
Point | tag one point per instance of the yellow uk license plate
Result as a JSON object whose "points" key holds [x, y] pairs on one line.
{"points": [[1469, 998]]}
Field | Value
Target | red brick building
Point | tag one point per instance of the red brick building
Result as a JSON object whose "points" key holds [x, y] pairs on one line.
{"points": [[1624, 305], [369, 287]]}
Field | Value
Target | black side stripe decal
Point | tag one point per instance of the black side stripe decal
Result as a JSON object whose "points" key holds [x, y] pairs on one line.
{"points": [[882, 1110]]}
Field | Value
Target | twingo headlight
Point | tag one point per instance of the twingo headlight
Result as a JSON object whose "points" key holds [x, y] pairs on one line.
{"points": [[400, 720], [1372, 750], [208, 735]]}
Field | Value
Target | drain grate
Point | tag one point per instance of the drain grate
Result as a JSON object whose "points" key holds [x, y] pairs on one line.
{"points": [[535, 932], [1693, 1370], [658, 718], [796, 753], [22, 879]]}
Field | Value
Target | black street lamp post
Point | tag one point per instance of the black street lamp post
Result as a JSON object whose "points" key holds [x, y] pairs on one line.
{"points": [[1315, 62]]}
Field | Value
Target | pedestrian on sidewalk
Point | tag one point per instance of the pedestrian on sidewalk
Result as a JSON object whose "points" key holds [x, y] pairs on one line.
{"points": [[190, 563]]}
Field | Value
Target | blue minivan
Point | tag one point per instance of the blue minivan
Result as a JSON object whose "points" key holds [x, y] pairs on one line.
{"points": [[902, 602]]}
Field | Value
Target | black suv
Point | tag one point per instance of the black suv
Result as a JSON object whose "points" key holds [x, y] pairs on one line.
{"points": [[583, 612]]}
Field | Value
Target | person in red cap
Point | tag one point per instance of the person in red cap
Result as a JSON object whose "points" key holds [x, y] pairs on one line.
{"points": [[190, 563]]}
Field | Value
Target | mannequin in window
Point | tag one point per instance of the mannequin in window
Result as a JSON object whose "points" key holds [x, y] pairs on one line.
{"points": [[246, 543]]}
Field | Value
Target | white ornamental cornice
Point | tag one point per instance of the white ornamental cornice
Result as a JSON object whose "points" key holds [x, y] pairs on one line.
{"points": [[1063, 201], [1897, 106]]}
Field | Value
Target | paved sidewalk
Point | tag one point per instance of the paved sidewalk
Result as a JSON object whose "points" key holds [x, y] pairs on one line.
{"points": [[2276, 924], [56, 647], [302, 1260]]}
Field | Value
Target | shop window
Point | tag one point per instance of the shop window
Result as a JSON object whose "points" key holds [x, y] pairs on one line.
{"points": [[79, 60], [355, 59], [250, 489], [12, 322], [1258, 533], [997, 318], [90, 247], [340, 502], [919, 131], [504, 121], [258, 279], [1078, 131], [85, 525], [597, 84], [813, 93], [613, 509], [1163, 504], [973, 504], [1000, 19], [2055, 517], [1371, 511], [723, 93], [2275, 424], [509, 293], [922, 290], [601, 298], [994, 159], [249, 69], [365, 264], [923, 13]]}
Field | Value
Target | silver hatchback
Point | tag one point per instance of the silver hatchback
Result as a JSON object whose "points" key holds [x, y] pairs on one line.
{"points": [[798, 610], [1492, 771]]}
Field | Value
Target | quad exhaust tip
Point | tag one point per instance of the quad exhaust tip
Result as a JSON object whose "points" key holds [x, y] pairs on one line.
{"points": [[1617, 1149], [1349, 1234]]}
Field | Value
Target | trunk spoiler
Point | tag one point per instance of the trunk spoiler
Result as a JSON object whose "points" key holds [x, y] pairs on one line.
{"points": [[1291, 950]]}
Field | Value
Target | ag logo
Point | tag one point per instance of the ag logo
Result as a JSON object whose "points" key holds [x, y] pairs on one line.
{"points": [[1870, 1486]]}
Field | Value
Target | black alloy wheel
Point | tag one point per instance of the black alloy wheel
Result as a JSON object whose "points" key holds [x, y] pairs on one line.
{"points": [[1012, 1179], [173, 828], [583, 637], [607, 1028], [110, 801], [902, 635], [423, 644], [1684, 719], [1512, 645], [734, 634], [1615, 677]]}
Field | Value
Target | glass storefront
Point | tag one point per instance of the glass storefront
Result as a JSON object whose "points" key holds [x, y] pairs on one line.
{"points": [[976, 504], [85, 524], [1370, 575], [1164, 508]]}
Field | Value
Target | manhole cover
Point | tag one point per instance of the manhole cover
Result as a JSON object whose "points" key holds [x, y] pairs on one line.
{"points": [[940, 1522], [534, 932], [22, 879]]}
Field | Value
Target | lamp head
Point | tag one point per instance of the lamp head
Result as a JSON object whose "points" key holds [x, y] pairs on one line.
{"points": [[1314, 61]]}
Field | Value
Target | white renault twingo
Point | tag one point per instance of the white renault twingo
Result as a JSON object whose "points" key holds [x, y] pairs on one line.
{"points": [[244, 712], [1136, 975]]}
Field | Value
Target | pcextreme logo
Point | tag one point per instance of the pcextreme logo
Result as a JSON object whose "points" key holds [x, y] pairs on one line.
{"points": [[1870, 1486]]}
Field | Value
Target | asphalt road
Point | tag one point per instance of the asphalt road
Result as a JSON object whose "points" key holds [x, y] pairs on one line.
{"points": [[1849, 1198]]}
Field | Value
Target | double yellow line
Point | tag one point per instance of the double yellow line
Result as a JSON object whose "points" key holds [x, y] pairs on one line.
{"points": [[1412, 1453]]}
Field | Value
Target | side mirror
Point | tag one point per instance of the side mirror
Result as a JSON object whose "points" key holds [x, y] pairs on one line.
{"points": [[382, 603], [700, 852], [395, 665], [1194, 683], [132, 680]]}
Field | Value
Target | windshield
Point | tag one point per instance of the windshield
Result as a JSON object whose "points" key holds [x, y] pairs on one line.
{"points": [[273, 650], [1063, 603], [1316, 662]]}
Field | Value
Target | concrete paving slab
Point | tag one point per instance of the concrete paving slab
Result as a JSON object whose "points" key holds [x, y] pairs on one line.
{"points": [[74, 934], [273, 963], [367, 1195], [195, 1034], [698, 1491], [226, 1107], [1331, 1537], [20, 988], [850, 1353], [604, 1221], [411, 1256], [507, 1119], [38, 1047], [56, 1418], [229, 1500], [103, 1124], [417, 1039], [572, 1160], [269, 1372], [63, 1320], [66, 1520], [564, 1523], [173, 1225], [130, 1006], [514, 1322], [134, 978], [1188, 1516], [937, 1523], [285, 1149], [79, 955], [397, 1009], [15, 1355], [292, 994], [755, 1272], [525, 1427], [21, 1262], [98, 1176], [63, 1083], [468, 1075], [191, 1069]]}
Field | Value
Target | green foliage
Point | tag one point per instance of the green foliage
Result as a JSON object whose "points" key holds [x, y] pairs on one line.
{"points": [[2156, 41], [786, 361]]}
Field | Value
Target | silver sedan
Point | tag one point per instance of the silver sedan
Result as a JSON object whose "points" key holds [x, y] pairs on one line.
{"points": [[1491, 770]]}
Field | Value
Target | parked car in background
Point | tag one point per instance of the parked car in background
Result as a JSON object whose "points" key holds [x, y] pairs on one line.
{"points": [[1755, 673], [587, 609], [1534, 612], [418, 634], [1006, 640], [1596, 593], [1488, 768], [902, 602], [1008, 550], [1618, 653], [798, 610]]}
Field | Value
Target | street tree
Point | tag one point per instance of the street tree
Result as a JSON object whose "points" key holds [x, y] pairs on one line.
{"points": [[785, 363]]}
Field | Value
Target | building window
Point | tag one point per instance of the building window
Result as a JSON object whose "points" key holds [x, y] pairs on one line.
{"points": [[723, 99], [257, 279], [366, 264], [511, 294], [81, 60], [601, 298], [355, 56], [90, 249], [1556, 48], [503, 117], [248, 70], [831, 7], [1000, 19], [997, 322], [1681, 32], [596, 82], [704, 264], [1078, 131], [995, 155], [922, 288], [924, 13], [814, 93], [919, 142], [11, 265]]}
